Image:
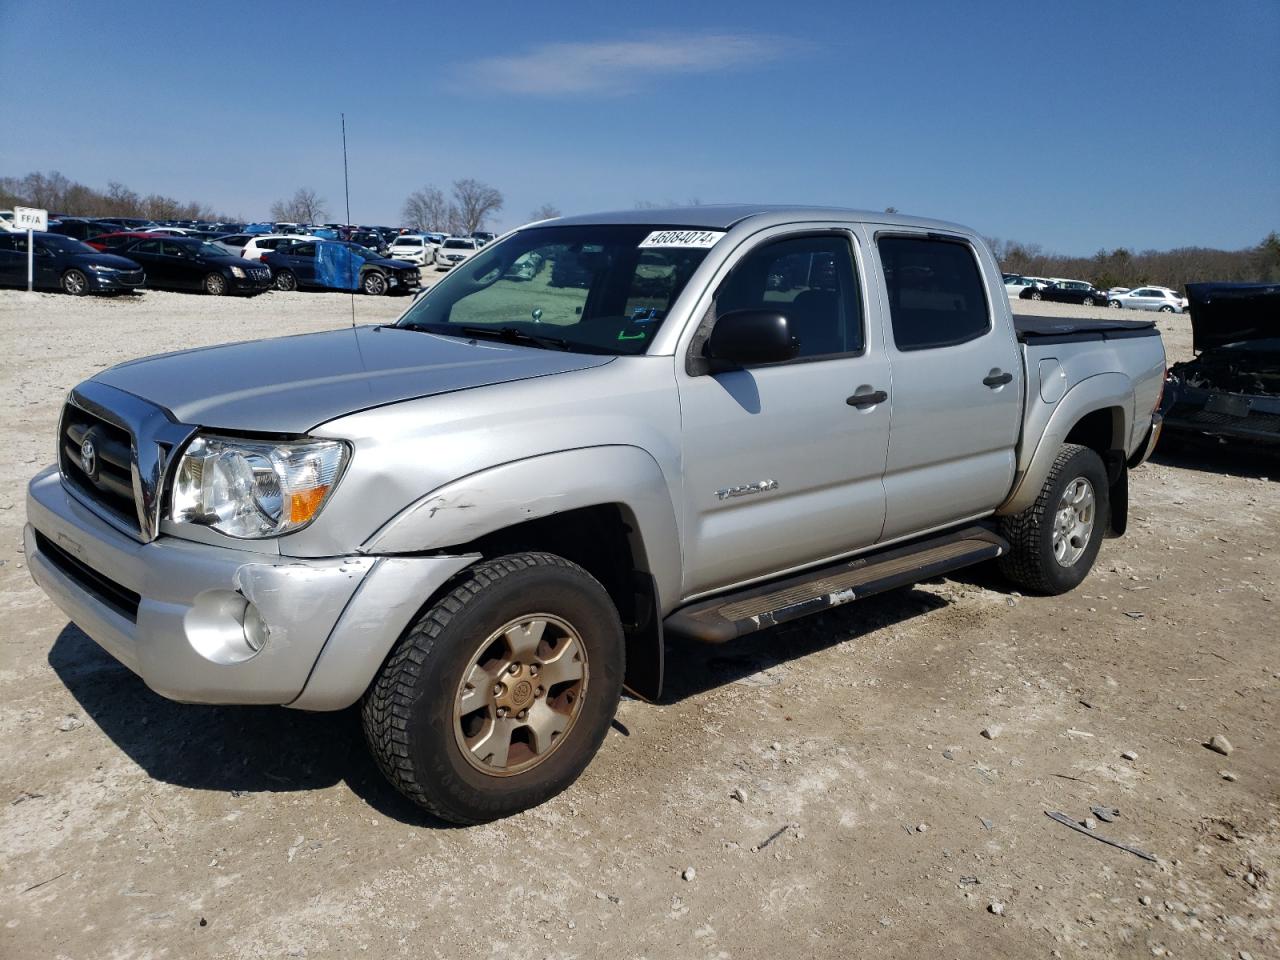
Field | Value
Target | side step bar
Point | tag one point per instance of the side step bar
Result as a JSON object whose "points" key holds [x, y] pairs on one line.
{"points": [[728, 617]]}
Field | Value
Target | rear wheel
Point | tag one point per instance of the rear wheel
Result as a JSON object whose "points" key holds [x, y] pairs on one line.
{"points": [[75, 283], [1054, 542], [1166, 309], [215, 284], [285, 280], [497, 698], [374, 284]]}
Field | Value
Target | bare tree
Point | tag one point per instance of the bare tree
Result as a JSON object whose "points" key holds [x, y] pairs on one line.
{"points": [[473, 203], [545, 212], [305, 206], [426, 210]]}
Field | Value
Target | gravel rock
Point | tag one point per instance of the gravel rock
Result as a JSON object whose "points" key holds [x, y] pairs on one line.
{"points": [[737, 793], [1228, 776], [1220, 744], [688, 874], [69, 723], [1089, 823], [992, 731], [1129, 755], [1144, 900], [996, 907]]}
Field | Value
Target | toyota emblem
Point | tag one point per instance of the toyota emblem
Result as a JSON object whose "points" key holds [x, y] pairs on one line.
{"points": [[89, 457]]}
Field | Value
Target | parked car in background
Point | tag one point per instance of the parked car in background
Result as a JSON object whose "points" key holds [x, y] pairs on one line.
{"points": [[183, 263], [82, 229], [483, 236], [1232, 387], [265, 243], [113, 241], [1150, 298], [234, 243], [6, 222], [454, 251], [339, 265], [66, 264], [1015, 284], [1065, 291], [413, 248]]}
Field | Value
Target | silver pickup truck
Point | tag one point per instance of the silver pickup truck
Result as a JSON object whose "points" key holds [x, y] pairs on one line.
{"points": [[481, 522]]}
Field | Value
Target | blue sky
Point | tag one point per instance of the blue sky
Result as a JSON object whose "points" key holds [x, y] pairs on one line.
{"points": [[1146, 123]]}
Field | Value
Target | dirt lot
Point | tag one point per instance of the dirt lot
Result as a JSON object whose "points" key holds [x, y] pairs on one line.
{"points": [[870, 816]]}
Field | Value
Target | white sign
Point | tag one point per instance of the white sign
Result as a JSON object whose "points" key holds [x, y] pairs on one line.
{"points": [[30, 218], [700, 239]]}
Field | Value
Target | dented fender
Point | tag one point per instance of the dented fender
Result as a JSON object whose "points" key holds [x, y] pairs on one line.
{"points": [[496, 498]]}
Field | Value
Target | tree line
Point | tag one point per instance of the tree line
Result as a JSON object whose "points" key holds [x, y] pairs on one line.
{"points": [[1127, 268], [59, 194]]}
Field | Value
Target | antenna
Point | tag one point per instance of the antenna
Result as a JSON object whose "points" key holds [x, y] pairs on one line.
{"points": [[346, 189]]}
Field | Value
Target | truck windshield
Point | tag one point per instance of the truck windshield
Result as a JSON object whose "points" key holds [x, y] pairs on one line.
{"points": [[593, 288]]}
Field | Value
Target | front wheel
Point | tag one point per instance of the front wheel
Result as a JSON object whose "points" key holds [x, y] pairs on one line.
{"points": [[374, 284], [286, 281], [75, 283], [1166, 309], [500, 694], [1087, 302], [1115, 304], [1054, 542], [215, 284], [1035, 295]]}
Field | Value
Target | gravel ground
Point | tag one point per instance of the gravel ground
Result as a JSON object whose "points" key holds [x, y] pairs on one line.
{"points": [[818, 790]]}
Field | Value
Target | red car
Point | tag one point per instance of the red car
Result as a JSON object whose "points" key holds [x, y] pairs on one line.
{"points": [[111, 241]]}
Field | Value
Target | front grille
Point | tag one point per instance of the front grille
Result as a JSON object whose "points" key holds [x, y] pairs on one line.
{"points": [[107, 479], [132, 279], [260, 274], [114, 595]]}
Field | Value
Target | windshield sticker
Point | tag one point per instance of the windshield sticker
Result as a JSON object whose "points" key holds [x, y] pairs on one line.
{"points": [[698, 239]]}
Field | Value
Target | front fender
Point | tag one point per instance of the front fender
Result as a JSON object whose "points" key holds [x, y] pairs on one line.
{"points": [[1098, 392], [499, 497]]}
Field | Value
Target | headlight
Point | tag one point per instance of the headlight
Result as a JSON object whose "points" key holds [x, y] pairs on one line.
{"points": [[255, 488], [237, 272], [99, 268]]}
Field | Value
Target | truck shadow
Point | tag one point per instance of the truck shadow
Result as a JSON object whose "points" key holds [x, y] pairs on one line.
{"points": [[228, 749], [1234, 458]]}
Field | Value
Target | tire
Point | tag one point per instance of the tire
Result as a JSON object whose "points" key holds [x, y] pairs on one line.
{"points": [[1115, 305], [75, 283], [1033, 561], [415, 713], [215, 284], [1166, 309], [1087, 302], [286, 281], [374, 284], [1035, 295]]}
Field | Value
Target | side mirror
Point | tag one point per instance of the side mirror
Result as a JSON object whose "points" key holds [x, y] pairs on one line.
{"points": [[748, 337]]}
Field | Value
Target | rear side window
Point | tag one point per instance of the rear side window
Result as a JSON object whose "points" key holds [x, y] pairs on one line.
{"points": [[936, 296]]}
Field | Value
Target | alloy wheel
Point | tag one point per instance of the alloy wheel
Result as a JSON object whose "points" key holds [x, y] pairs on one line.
{"points": [[1073, 522]]}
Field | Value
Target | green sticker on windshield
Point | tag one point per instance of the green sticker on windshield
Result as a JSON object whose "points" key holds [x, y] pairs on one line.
{"points": [[623, 335]]}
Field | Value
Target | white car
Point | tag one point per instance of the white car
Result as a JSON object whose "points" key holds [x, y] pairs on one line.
{"points": [[454, 251], [6, 222], [414, 248], [1015, 284], [265, 243], [1150, 298]]}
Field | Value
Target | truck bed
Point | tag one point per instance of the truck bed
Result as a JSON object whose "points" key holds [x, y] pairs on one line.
{"points": [[1046, 330]]}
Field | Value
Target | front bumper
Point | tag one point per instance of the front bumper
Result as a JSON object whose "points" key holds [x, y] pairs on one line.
{"points": [[110, 282], [172, 610], [251, 285]]}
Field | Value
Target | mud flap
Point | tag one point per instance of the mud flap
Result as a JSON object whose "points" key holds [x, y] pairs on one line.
{"points": [[645, 654], [1119, 496]]}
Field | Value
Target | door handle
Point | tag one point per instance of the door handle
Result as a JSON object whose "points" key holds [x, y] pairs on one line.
{"points": [[997, 379], [867, 399]]}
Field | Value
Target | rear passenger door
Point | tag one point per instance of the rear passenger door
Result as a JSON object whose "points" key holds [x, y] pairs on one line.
{"points": [[957, 385]]}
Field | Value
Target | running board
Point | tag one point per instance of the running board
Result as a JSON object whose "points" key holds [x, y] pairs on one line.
{"points": [[728, 617]]}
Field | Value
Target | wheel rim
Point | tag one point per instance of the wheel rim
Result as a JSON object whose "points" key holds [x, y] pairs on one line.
{"points": [[1073, 522], [1036, 296], [214, 283], [1088, 301], [374, 284], [520, 695], [74, 282], [285, 282]]}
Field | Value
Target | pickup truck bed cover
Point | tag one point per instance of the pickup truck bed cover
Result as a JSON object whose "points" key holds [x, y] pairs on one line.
{"points": [[1046, 330]]}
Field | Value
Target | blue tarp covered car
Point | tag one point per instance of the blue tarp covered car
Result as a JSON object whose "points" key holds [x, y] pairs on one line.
{"points": [[339, 265]]}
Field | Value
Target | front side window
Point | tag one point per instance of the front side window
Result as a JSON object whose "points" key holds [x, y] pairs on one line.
{"points": [[594, 288], [811, 280], [936, 295]]}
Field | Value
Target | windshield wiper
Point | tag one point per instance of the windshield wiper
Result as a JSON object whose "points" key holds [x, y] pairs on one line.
{"points": [[516, 335]]}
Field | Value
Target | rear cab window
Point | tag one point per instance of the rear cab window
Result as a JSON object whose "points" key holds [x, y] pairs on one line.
{"points": [[935, 291]]}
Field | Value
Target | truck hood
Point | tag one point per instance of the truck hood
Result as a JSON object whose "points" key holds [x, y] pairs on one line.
{"points": [[1223, 313], [293, 384]]}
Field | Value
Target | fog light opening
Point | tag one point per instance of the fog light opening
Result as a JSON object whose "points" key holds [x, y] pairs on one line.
{"points": [[255, 629]]}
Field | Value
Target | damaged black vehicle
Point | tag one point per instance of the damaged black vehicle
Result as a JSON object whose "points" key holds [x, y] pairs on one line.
{"points": [[1232, 388]]}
